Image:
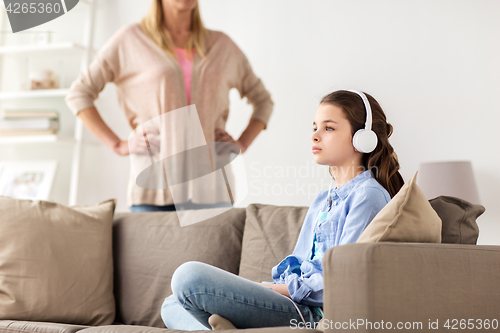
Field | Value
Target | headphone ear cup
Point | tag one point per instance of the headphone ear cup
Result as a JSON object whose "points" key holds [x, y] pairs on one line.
{"points": [[365, 141]]}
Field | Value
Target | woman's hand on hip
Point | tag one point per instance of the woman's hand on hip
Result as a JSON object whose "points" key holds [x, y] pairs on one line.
{"points": [[222, 136], [121, 148], [137, 143]]}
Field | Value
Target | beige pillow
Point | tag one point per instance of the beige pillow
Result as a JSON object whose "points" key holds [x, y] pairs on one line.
{"points": [[148, 248], [56, 262], [408, 217], [271, 233]]}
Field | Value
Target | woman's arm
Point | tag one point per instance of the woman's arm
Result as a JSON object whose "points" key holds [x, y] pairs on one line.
{"points": [[250, 133], [91, 118], [246, 138], [251, 87], [87, 87]]}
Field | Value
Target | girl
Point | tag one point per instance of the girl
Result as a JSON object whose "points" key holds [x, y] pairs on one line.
{"points": [[366, 179]]}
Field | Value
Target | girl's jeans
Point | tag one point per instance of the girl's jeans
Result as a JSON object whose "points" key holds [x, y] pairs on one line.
{"points": [[200, 290]]}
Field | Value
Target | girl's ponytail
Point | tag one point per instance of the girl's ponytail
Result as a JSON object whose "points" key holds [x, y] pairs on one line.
{"points": [[382, 161]]}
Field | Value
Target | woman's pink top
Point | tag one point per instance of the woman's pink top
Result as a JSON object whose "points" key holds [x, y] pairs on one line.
{"points": [[187, 70]]}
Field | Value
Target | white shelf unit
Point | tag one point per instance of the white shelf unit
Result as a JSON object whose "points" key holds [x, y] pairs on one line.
{"points": [[36, 139], [41, 93], [86, 52], [18, 49]]}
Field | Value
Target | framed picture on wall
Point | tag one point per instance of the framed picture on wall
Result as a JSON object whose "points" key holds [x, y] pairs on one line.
{"points": [[27, 179]]}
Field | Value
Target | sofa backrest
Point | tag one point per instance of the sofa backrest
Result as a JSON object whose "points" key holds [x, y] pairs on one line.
{"points": [[148, 247]]}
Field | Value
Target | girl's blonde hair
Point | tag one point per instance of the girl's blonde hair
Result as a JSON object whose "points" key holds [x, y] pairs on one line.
{"points": [[155, 27], [383, 158]]}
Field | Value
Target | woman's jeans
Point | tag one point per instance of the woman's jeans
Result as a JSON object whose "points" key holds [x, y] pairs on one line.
{"points": [[171, 208], [200, 290], [151, 208]]}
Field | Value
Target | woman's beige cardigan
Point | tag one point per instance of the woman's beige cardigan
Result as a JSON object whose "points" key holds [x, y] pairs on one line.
{"points": [[150, 83]]}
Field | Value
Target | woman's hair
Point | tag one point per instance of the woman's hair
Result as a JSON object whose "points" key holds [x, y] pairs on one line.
{"points": [[154, 25], [383, 158]]}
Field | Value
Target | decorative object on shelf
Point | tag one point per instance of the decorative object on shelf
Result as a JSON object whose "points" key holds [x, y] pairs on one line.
{"points": [[27, 179], [28, 122], [44, 79], [453, 178]]}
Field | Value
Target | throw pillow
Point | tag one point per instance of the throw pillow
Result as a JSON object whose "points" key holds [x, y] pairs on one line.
{"points": [[408, 217], [270, 235], [459, 219], [56, 262], [148, 248]]}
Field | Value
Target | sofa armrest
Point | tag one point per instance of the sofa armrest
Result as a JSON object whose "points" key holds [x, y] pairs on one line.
{"points": [[411, 283]]}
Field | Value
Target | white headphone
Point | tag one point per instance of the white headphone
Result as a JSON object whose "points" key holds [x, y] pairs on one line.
{"points": [[365, 140]]}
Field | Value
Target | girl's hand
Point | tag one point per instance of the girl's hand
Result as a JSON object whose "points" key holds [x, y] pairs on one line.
{"points": [[223, 136], [279, 288]]}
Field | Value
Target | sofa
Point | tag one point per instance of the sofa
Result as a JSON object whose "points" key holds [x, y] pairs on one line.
{"points": [[367, 285]]}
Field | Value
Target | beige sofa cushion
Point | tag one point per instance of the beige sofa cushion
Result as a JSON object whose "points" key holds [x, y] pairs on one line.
{"points": [[143, 329], [56, 262], [459, 219], [148, 247], [271, 233], [11, 326], [408, 217]]}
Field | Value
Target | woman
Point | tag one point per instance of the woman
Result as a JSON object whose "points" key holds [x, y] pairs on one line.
{"points": [[168, 61], [366, 180]]}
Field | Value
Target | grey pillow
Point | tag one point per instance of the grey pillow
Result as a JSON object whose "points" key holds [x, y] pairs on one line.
{"points": [[270, 235], [459, 219], [148, 247]]}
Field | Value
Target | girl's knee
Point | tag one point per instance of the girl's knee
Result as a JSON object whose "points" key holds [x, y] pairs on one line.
{"points": [[188, 274]]}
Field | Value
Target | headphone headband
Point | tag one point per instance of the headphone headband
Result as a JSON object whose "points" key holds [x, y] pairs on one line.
{"points": [[368, 123], [365, 140]]}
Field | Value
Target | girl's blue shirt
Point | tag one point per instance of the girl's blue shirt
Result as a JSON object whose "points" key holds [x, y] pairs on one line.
{"points": [[354, 205]]}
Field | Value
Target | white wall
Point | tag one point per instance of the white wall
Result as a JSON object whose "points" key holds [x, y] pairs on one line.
{"points": [[432, 65]]}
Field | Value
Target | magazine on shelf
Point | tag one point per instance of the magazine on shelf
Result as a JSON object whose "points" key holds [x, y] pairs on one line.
{"points": [[51, 114], [29, 122]]}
